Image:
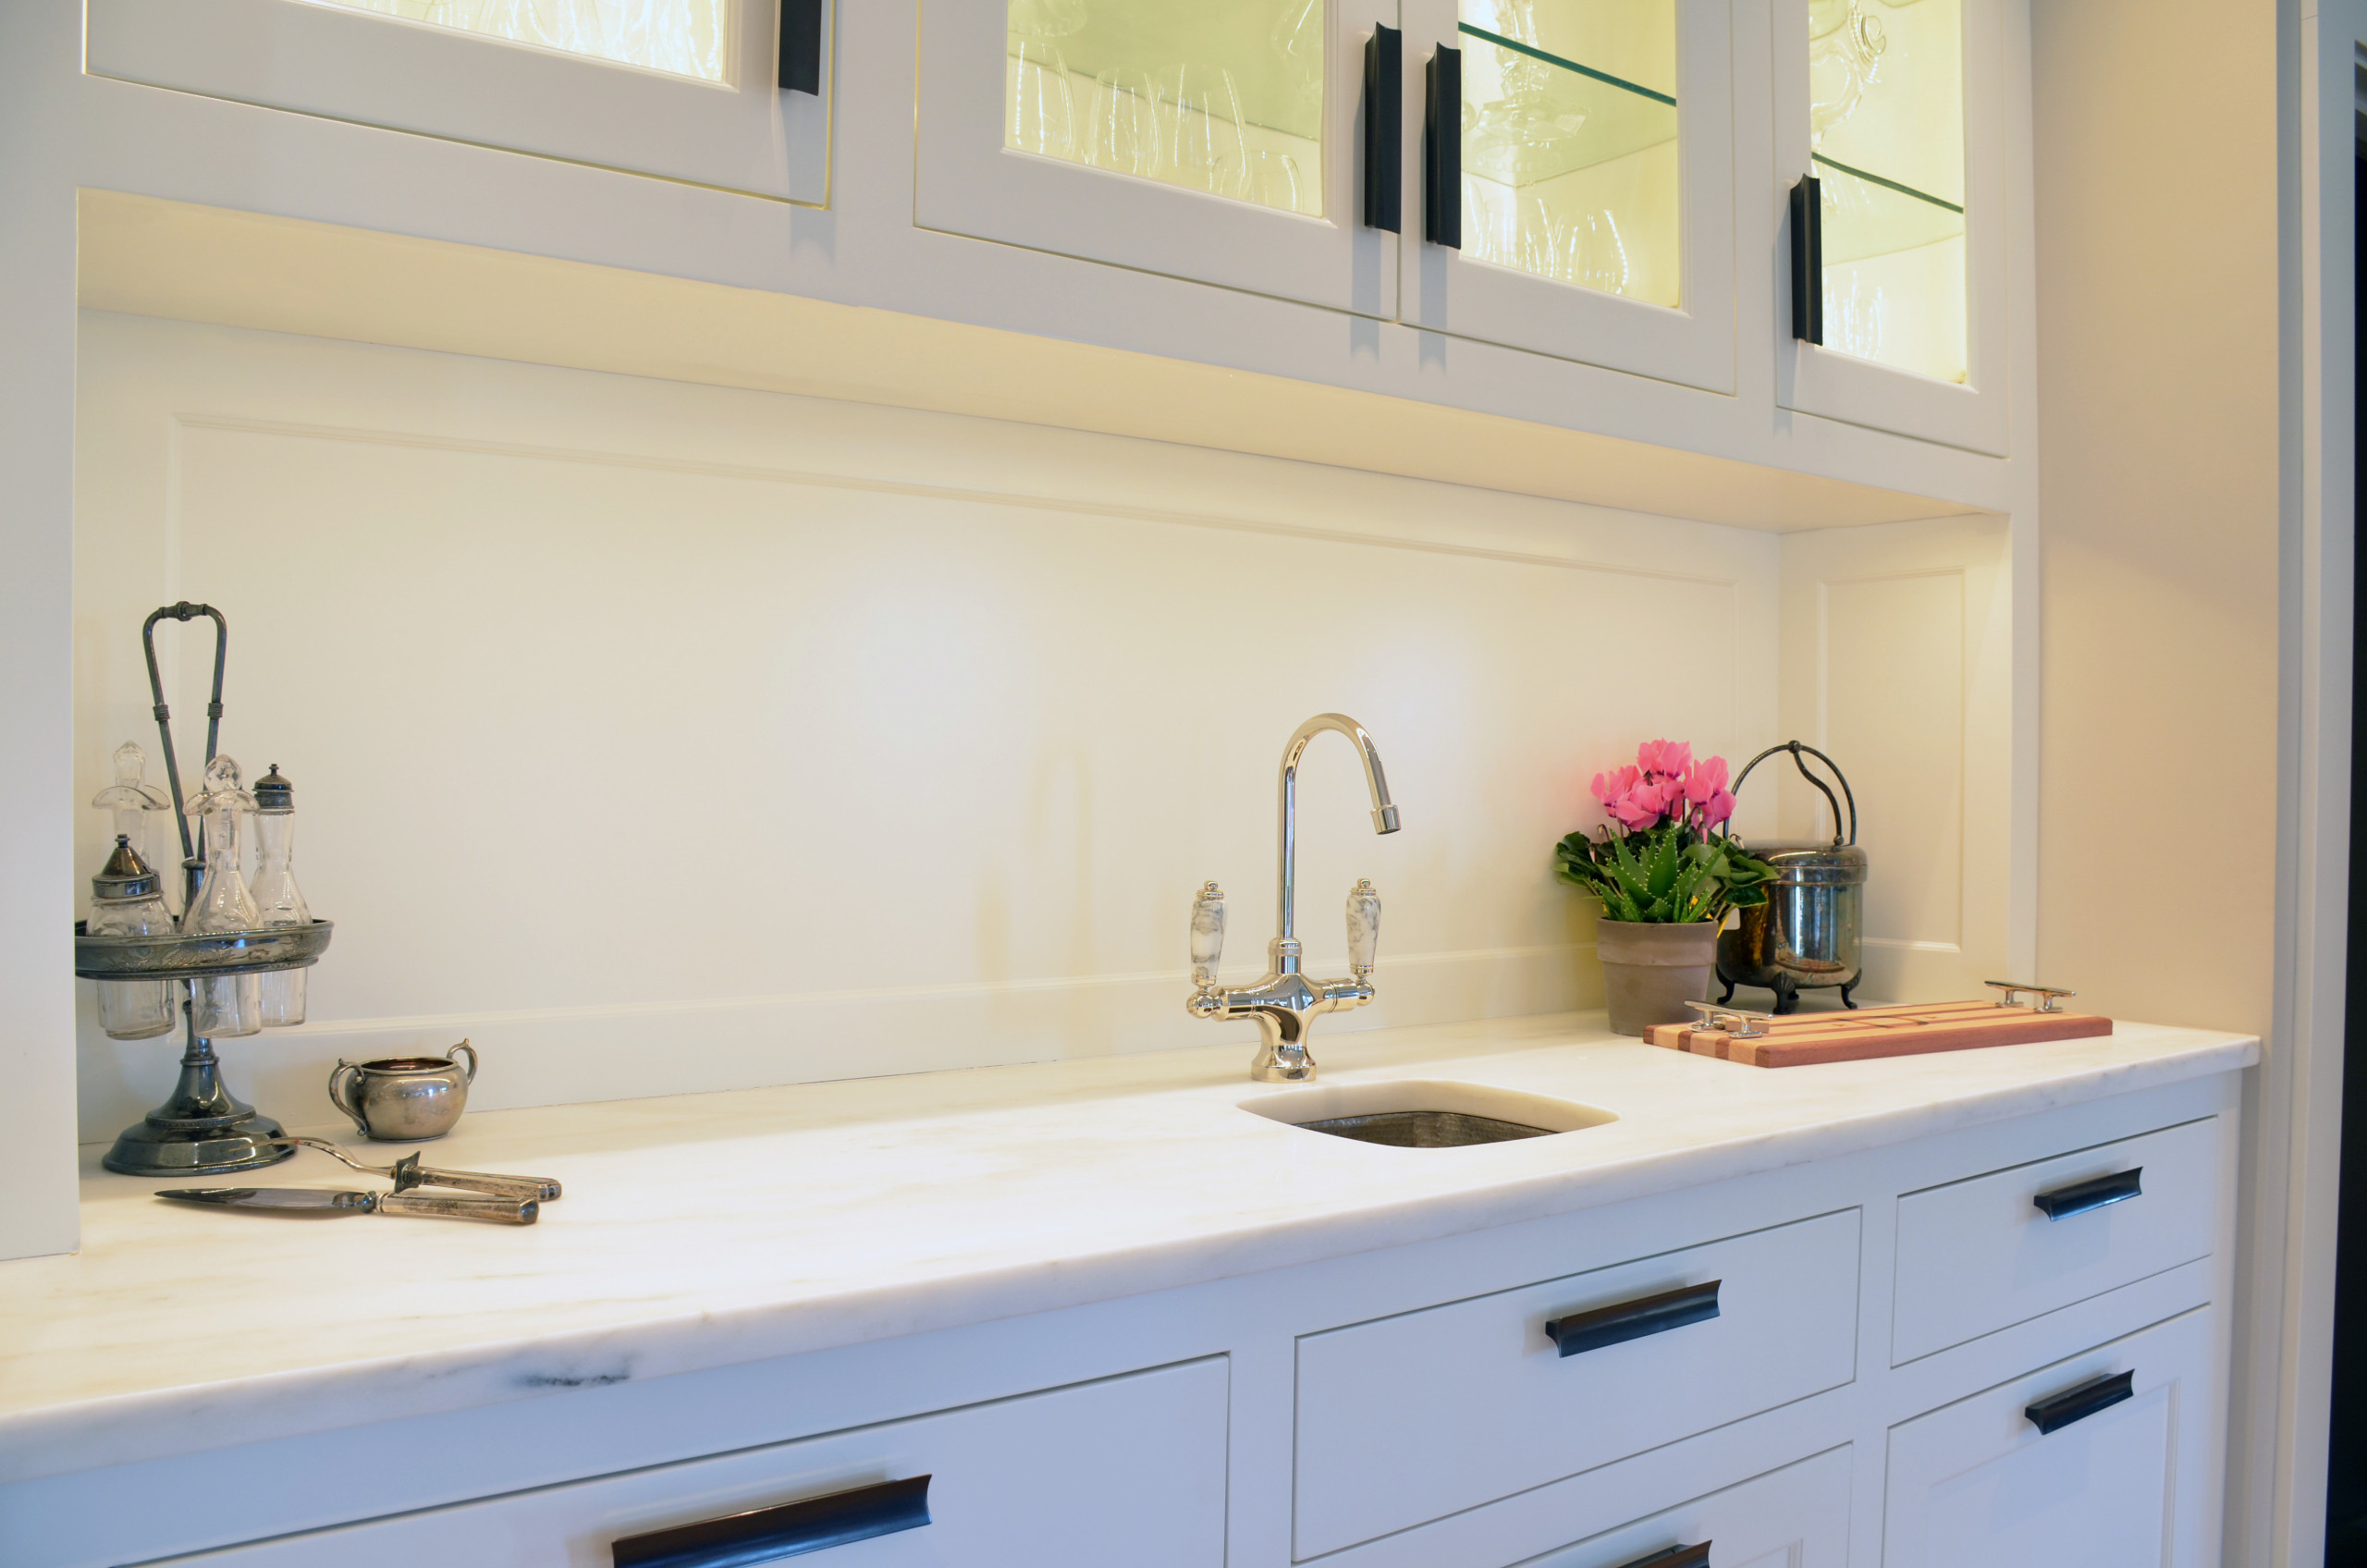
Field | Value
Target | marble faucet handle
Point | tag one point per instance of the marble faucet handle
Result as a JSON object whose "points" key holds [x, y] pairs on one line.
{"points": [[1207, 934], [1363, 927]]}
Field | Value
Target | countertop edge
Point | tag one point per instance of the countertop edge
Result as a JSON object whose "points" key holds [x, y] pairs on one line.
{"points": [[64, 1440]]}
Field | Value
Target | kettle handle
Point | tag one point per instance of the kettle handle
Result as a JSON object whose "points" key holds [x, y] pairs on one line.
{"points": [[1796, 748]]}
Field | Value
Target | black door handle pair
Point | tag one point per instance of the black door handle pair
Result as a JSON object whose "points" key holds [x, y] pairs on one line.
{"points": [[1385, 138]]}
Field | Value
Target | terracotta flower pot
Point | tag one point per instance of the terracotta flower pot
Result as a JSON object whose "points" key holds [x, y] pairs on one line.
{"points": [[1650, 971]]}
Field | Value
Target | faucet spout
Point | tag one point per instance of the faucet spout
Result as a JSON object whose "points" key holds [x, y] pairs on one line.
{"points": [[1384, 811]]}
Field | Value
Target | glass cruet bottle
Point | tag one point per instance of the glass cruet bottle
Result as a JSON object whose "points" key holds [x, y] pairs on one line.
{"points": [[127, 900], [277, 899], [135, 803], [226, 1005]]}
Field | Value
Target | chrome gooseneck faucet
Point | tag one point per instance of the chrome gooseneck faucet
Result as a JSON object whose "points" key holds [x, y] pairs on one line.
{"points": [[1286, 1002]]}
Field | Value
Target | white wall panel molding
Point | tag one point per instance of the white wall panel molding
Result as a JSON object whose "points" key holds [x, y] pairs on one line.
{"points": [[1897, 661], [921, 728], [565, 1056]]}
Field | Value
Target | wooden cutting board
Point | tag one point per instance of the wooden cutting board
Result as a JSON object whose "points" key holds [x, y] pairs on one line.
{"points": [[1803, 1039]]}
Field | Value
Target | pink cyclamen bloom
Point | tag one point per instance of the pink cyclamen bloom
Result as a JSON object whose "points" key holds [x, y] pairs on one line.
{"points": [[1705, 779], [1639, 808], [1648, 757], [1676, 756], [1610, 787], [1721, 808]]}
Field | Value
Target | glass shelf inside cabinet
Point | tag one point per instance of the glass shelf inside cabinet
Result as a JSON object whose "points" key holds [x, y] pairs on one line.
{"points": [[1570, 143], [678, 37], [1887, 122], [1224, 96]]}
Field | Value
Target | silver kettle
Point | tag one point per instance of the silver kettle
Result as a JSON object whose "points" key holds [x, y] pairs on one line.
{"points": [[1810, 932]]}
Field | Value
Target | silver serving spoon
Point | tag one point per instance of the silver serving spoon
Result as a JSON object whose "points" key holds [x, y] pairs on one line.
{"points": [[407, 1174]]}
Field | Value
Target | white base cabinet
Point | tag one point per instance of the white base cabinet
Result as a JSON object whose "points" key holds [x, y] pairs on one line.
{"points": [[2129, 1483], [1704, 1378]]}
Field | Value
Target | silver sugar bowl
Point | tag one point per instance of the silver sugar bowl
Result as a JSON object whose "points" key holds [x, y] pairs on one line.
{"points": [[406, 1099]]}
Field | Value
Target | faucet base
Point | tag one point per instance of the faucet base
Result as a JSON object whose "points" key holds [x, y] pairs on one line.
{"points": [[1282, 1067]]}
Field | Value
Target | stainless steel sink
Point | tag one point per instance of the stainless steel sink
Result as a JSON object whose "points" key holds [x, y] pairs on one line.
{"points": [[1426, 1113], [1423, 1129]]}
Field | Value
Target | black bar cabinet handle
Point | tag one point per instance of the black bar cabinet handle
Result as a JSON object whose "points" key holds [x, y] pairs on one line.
{"points": [[1632, 1320], [791, 1530], [2082, 1196], [800, 47], [1442, 148], [1808, 259], [1674, 1556], [2058, 1410], [1384, 127]]}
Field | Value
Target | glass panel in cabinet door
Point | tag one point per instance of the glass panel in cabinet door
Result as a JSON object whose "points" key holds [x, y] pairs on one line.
{"points": [[730, 94], [679, 37], [1886, 136], [1225, 96], [1570, 154]]}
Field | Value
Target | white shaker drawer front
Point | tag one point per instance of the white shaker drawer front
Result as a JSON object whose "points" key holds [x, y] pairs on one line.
{"points": [[1408, 1418], [1128, 1470], [1796, 1517], [2107, 1460], [1987, 1252]]}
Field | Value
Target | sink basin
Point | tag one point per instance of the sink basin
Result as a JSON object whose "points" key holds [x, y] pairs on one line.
{"points": [[1426, 1113]]}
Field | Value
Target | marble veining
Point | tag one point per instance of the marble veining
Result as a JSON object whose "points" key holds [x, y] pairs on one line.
{"points": [[704, 1231]]}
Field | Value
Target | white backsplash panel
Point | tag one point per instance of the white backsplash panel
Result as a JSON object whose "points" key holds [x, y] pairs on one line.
{"points": [[662, 737]]}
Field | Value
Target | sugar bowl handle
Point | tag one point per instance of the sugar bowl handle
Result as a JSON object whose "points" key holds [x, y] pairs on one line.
{"points": [[472, 1051], [344, 1080]]}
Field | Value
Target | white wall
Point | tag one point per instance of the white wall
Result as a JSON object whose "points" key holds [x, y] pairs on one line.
{"points": [[2158, 393], [663, 738]]}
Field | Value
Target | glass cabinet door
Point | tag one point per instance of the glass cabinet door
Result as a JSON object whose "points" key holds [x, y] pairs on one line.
{"points": [[1570, 169], [725, 92], [1207, 139], [1891, 109], [1592, 211]]}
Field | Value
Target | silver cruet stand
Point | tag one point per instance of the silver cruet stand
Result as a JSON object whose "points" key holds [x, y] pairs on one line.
{"points": [[203, 1129]]}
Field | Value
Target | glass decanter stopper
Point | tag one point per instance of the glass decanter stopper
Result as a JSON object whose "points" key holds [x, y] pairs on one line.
{"points": [[231, 1004], [134, 801], [277, 899], [127, 900]]}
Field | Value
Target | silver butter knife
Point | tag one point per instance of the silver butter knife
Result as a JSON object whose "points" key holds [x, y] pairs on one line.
{"points": [[320, 1200]]}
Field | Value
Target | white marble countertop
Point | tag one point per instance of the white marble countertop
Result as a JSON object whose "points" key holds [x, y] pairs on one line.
{"points": [[704, 1231]]}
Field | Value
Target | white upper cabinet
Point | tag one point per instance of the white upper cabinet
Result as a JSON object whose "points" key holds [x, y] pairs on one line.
{"points": [[1214, 139], [1576, 180], [1890, 116], [723, 93]]}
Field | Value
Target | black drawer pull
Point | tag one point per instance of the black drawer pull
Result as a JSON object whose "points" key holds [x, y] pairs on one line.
{"points": [[800, 47], [2058, 1410], [2082, 1196], [1384, 127], [1633, 1320], [791, 1530], [1442, 148], [1674, 1556]]}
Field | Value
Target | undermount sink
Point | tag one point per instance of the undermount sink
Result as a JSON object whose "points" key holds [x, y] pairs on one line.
{"points": [[1426, 1113]]}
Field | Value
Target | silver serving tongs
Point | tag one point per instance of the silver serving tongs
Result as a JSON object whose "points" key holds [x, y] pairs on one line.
{"points": [[408, 1172]]}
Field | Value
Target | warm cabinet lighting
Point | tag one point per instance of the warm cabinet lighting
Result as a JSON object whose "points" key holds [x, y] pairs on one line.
{"points": [[1887, 124], [1223, 98], [679, 37], [1569, 142]]}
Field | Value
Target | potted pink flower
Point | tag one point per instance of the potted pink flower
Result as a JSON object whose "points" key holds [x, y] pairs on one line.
{"points": [[1666, 872]]}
